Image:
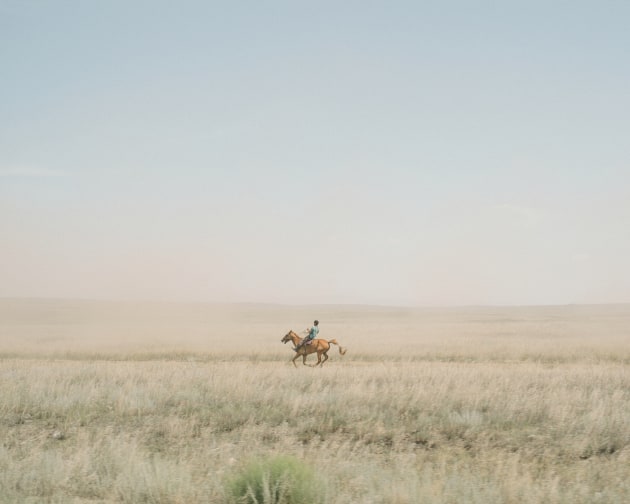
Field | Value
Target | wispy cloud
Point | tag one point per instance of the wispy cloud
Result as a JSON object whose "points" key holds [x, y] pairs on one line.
{"points": [[31, 172]]}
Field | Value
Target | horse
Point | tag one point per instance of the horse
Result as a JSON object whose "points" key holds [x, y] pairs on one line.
{"points": [[321, 346]]}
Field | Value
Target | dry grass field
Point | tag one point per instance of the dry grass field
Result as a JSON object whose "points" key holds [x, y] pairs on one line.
{"points": [[161, 403]]}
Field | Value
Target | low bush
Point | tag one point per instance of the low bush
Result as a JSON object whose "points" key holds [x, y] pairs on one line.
{"points": [[276, 480]]}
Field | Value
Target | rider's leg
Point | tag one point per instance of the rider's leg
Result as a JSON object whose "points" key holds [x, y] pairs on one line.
{"points": [[305, 341]]}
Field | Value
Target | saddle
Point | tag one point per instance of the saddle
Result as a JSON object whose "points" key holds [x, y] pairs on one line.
{"points": [[308, 342]]}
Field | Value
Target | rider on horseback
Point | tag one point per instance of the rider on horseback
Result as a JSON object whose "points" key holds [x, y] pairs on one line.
{"points": [[310, 337]]}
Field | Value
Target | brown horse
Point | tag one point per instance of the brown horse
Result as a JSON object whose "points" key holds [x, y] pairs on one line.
{"points": [[321, 346]]}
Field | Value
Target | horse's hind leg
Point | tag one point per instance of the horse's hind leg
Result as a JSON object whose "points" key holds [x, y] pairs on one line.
{"points": [[325, 359], [319, 359]]}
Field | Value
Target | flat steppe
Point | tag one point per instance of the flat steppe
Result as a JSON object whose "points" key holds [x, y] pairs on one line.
{"points": [[164, 402]]}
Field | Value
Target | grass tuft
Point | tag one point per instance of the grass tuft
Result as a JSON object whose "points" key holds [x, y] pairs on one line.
{"points": [[277, 480]]}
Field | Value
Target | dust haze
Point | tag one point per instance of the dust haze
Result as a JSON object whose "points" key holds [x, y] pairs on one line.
{"points": [[67, 328]]}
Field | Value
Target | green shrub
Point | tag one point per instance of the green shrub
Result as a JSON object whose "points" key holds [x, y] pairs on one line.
{"points": [[277, 480]]}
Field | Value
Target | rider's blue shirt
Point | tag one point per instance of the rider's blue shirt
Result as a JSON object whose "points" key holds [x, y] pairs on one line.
{"points": [[313, 332]]}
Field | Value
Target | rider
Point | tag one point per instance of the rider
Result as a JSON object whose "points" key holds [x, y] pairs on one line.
{"points": [[314, 331]]}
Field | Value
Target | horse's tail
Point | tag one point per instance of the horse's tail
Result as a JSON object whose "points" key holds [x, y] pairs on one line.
{"points": [[342, 350]]}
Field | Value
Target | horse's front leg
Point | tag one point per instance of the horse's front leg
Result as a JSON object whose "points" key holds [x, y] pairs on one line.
{"points": [[294, 358]]}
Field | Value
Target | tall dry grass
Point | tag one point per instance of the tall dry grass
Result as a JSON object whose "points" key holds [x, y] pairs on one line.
{"points": [[531, 416], [403, 432]]}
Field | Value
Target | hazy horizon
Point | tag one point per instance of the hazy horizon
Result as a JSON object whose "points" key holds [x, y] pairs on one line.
{"points": [[399, 154], [290, 305]]}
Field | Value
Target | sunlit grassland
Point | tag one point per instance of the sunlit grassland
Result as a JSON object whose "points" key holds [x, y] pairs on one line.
{"points": [[480, 412]]}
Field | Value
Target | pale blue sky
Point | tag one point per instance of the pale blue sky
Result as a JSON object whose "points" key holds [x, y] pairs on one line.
{"points": [[417, 153]]}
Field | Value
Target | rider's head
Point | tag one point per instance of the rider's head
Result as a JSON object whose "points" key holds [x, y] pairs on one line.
{"points": [[316, 322]]}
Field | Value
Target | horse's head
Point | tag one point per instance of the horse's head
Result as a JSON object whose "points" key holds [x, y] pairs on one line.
{"points": [[287, 337]]}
